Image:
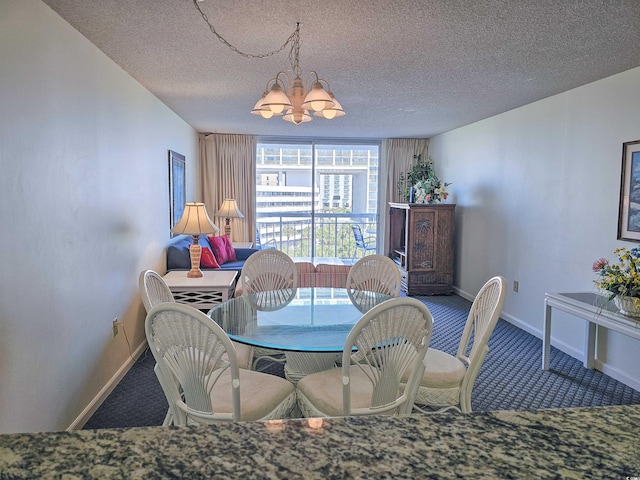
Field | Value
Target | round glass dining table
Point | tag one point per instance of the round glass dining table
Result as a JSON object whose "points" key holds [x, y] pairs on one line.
{"points": [[309, 324]]}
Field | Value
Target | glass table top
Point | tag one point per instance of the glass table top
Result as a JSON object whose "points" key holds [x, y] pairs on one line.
{"points": [[302, 319], [596, 301]]}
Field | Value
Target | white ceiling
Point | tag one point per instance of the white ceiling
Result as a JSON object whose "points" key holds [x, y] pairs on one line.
{"points": [[411, 68]]}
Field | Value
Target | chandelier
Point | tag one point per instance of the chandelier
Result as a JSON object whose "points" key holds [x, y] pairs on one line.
{"points": [[283, 96], [293, 100]]}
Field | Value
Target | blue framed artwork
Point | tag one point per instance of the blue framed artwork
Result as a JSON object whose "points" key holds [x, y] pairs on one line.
{"points": [[629, 212], [177, 184]]}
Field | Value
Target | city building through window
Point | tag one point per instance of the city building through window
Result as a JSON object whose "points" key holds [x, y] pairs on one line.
{"points": [[308, 196]]}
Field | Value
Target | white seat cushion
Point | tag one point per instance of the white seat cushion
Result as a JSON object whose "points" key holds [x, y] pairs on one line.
{"points": [[442, 370], [324, 390], [260, 394]]}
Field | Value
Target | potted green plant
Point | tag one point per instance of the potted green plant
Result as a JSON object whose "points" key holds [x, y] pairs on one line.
{"points": [[421, 184]]}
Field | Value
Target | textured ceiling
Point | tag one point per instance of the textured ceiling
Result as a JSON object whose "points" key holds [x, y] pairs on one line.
{"points": [[411, 68]]}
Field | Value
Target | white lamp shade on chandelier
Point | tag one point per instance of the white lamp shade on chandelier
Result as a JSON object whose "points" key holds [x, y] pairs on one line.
{"points": [[195, 222]]}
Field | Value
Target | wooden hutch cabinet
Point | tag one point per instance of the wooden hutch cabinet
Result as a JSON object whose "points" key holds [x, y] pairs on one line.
{"points": [[421, 244]]}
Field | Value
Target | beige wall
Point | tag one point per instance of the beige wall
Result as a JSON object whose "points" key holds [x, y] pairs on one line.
{"points": [[83, 209], [537, 190]]}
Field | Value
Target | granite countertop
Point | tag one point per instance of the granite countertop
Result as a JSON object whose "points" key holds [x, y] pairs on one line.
{"points": [[601, 442]]}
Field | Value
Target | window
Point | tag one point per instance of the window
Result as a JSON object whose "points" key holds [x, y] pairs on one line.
{"points": [[309, 194]]}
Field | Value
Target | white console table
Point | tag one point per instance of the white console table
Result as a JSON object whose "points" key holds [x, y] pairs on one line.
{"points": [[593, 308], [203, 293]]}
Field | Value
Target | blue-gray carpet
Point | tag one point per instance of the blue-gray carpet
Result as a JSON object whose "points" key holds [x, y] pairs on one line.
{"points": [[510, 379]]}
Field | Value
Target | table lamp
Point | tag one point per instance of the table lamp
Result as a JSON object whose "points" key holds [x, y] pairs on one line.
{"points": [[229, 210], [195, 222]]}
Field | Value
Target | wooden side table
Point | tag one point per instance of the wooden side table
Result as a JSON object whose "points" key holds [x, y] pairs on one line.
{"points": [[203, 293]]}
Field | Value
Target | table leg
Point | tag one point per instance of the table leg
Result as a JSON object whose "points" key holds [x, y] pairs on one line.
{"points": [[590, 345], [546, 336]]}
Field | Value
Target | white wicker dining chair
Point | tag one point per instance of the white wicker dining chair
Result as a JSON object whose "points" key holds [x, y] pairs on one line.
{"points": [[154, 291], [372, 273], [391, 340], [204, 383], [269, 271], [447, 381]]}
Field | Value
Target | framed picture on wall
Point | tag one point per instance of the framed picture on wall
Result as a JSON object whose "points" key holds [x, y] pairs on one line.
{"points": [[629, 212], [177, 184]]}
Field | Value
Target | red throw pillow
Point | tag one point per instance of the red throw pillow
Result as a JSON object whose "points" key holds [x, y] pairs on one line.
{"points": [[231, 252], [219, 249], [207, 260]]}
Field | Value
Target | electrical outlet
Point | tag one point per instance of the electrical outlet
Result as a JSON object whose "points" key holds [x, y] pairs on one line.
{"points": [[515, 286], [116, 324]]}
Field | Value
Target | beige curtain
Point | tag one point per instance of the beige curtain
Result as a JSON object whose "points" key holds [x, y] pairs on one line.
{"points": [[227, 166], [396, 157]]}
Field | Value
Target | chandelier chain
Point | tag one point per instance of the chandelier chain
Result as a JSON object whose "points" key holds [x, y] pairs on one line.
{"points": [[294, 52], [294, 37]]}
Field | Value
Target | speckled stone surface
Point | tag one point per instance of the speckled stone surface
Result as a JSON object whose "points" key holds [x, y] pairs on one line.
{"points": [[601, 442]]}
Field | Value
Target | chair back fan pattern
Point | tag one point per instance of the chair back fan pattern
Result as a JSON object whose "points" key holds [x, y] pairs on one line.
{"points": [[194, 353], [483, 317], [268, 270], [153, 290], [275, 273], [270, 300], [391, 340], [374, 273]]}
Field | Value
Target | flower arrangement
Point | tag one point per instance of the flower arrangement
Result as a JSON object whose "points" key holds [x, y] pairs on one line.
{"points": [[620, 279], [427, 187]]}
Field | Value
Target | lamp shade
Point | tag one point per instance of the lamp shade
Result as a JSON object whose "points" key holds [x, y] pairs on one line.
{"points": [[195, 221], [317, 99], [276, 100], [229, 209], [331, 112]]}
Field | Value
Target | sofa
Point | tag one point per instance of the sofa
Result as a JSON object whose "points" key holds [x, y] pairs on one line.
{"points": [[178, 257], [322, 274], [319, 275], [309, 274]]}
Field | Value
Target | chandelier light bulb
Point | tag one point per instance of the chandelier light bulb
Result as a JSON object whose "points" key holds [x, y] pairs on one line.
{"points": [[329, 113]]}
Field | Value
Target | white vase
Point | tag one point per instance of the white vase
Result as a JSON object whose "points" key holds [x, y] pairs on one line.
{"points": [[628, 306]]}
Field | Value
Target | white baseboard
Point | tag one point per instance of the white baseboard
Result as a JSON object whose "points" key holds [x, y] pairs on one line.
{"points": [[618, 375], [104, 392], [568, 349]]}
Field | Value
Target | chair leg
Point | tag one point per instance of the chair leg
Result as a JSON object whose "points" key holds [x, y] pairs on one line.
{"points": [[465, 402], [168, 419]]}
